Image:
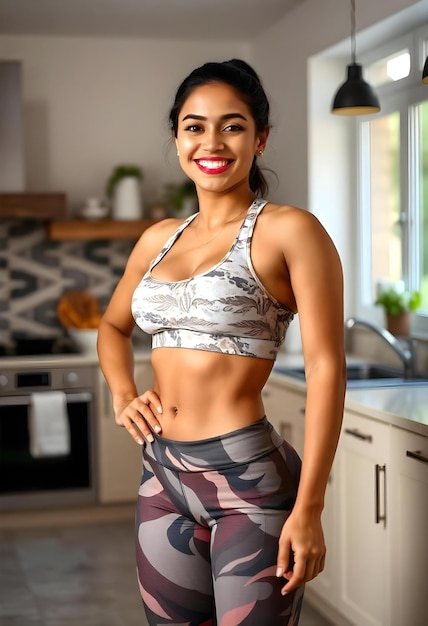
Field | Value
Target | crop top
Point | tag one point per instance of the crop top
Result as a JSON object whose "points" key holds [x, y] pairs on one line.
{"points": [[225, 309]]}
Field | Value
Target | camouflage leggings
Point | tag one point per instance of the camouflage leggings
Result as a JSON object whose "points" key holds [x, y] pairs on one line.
{"points": [[208, 519]]}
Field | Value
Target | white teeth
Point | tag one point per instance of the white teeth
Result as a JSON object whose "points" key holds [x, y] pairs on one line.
{"points": [[212, 165]]}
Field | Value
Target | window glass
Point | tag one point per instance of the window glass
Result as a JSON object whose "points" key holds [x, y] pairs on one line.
{"points": [[423, 182], [389, 69], [386, 246]]}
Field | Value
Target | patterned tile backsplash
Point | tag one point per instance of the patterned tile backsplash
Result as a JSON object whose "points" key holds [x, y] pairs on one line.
{"points": [[35, 272]]}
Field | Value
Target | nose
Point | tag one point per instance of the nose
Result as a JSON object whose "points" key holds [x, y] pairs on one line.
{"points": [[212, 141]]}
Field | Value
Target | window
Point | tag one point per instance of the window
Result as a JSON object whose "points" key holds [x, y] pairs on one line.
{"points": [[393, 182], [423, 201], [389, 69], [385, 191]]}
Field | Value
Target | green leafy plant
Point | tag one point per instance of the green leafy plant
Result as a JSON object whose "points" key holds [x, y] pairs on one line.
{"points": [[176, 193], [396, 302], [120, 172]]}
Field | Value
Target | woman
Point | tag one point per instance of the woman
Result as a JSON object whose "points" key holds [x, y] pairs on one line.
{"points": [[226, 533]]}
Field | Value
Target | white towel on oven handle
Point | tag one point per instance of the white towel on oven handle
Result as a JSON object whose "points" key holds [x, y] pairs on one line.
{"points": [[48, 424]]}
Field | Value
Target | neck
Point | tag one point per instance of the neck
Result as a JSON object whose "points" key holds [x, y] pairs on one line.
{"points": [[216, 211]]}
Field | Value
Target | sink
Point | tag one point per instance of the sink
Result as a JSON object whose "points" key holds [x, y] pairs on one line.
{"points": [[364, 375]]}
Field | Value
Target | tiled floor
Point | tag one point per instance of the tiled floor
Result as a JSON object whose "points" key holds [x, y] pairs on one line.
{"points": [[68, 570]]}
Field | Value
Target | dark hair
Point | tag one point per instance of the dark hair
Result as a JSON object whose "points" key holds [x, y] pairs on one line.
{"points": [[244, 79]]}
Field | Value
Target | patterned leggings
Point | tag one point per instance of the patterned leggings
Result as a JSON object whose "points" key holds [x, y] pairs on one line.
{"points": [[208, 519]]}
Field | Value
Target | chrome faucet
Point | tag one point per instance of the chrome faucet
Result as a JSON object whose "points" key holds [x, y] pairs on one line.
{"points": [[405, 354]]}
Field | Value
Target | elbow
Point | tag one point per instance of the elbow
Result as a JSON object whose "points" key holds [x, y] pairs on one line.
{"points": [[331, 373]]}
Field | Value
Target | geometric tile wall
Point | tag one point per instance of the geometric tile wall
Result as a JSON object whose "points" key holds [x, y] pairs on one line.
{"points": [[35, 272]]}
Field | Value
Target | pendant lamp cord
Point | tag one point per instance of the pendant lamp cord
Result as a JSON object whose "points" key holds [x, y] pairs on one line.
{"points": [[353, 40]]}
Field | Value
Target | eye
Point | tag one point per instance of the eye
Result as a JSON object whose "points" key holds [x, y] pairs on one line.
{"points": [[193, 128], [233, 128]]}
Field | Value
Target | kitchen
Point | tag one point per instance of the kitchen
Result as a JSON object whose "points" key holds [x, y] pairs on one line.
{"points": [[87, 107]]}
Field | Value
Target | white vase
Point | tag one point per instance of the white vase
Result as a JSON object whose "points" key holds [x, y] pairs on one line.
{"points": [[127, 200]]}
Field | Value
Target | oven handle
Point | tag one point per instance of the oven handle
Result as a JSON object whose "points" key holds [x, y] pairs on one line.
{"points": [[84, 396]]}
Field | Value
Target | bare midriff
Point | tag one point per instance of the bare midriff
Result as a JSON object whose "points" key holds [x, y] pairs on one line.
{"points": [[207, 394]]}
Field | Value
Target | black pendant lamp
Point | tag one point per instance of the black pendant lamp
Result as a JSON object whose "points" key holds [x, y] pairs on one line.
{"points": [[355, 96], [425, 73]]}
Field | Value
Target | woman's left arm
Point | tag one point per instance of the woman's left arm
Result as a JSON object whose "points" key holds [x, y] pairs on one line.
{"points": [[316, 278]]}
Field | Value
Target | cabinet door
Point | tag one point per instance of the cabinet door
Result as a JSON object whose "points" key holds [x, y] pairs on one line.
{"points": [[285, 409], [362, 465], [409, 526], [119, 457]]}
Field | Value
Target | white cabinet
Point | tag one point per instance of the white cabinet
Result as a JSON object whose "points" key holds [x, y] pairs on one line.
{"points": [[119, 457], [408, 520], [362, 466], [285, 409]]}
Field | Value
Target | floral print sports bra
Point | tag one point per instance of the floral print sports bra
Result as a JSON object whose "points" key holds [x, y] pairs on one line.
{"points": [[226, 309]]}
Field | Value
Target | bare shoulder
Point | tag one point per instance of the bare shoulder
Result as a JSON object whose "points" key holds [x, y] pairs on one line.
{"points": [[289, 222], [299, 234], [154, 238], [163, 228], [289, 215]]}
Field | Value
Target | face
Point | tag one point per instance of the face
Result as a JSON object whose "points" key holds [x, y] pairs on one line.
{"points": [[217, 138]]}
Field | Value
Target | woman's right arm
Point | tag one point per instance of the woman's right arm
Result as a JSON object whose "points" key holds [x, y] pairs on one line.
{"points": [[136, 413]]}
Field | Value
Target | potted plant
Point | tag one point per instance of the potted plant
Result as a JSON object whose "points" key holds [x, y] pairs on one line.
{"points": [[398, 303], [181, 198], [124, 190]]}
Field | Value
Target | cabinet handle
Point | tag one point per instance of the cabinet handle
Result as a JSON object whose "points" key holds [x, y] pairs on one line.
{"points": [[417, 455], [380, 517], [354, 432], [302, 410]]}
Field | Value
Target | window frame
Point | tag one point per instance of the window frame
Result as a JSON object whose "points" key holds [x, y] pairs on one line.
{"points": [[403, 97]]}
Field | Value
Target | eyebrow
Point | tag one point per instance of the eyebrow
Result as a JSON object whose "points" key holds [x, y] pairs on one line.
{"points": [[227, 116]]}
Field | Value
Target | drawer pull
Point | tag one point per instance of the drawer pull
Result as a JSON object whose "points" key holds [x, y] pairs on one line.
{"points": [[380, 517], [354, 432], [417, 455]]}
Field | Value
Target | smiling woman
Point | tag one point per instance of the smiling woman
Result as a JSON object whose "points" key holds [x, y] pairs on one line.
{"points": [[227, 530], [224, 140]]}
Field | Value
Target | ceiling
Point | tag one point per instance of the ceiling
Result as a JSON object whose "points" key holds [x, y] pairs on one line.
{"points": [[198, 19]]}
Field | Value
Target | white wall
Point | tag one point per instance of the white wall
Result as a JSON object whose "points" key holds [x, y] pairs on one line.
{"points": [[92, 103]]}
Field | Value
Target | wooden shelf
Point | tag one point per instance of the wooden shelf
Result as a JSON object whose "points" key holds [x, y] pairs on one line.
{"points": [[33, 206], [97, 229]]}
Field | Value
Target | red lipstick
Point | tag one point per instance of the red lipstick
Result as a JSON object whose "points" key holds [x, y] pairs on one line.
{"points": [[211, 165]]}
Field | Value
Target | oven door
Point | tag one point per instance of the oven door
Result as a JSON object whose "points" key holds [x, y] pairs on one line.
{"points": [[27, 481]]}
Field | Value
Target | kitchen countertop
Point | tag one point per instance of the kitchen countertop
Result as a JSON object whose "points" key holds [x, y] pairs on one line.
{"points": [[62, 360], [404, 407], [399, 406]]}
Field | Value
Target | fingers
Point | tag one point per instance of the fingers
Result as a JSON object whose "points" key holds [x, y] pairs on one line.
{"points": [[284, 562], [301, 570], [151, 398], [139, 417], [301, 552]]}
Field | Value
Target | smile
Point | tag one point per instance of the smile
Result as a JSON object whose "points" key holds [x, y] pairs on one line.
{"points": [[213, 166]]}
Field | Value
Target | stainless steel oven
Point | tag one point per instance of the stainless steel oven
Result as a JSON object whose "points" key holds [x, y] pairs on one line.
{"points": [[29, 481]]}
